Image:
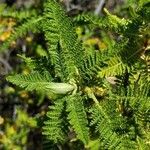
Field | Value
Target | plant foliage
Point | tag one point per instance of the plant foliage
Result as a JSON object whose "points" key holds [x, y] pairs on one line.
{"points": [[117, 118]]}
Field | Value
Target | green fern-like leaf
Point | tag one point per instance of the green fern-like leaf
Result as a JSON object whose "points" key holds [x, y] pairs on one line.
{"points": [[115, 67], [108, 22], [40, 64], [139, 100], [59, 31], [103, 127], [77, 117], [109, 139], [9, 12], [33, 81], [41, 82], [91, 65], [53, 127]]}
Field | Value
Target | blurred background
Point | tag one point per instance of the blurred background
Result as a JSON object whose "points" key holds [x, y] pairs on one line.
{"points": [[21, 112]]}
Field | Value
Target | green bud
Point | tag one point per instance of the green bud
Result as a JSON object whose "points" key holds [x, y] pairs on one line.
{"points": [[60, 88]]}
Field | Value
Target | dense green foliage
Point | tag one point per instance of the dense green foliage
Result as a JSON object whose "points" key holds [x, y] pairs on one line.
{"points": [[100, 98]]}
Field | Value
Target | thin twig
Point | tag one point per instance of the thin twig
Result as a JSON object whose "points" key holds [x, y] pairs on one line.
{"points": [[67, 3], [99, 7], [6, 65]]}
